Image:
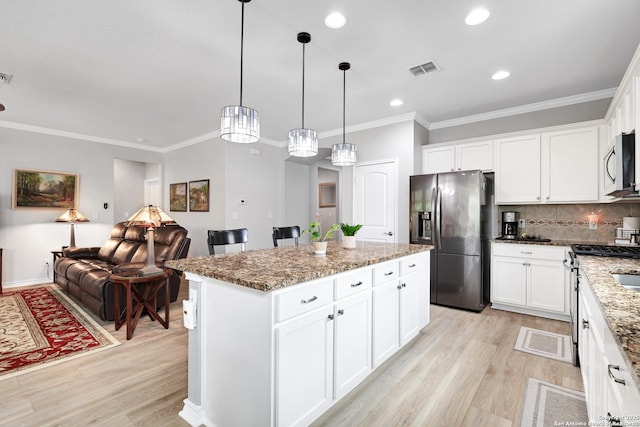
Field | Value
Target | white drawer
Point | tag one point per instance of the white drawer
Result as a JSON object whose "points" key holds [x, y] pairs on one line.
{"points": [[385, 272], [555, 253], [413, 263], [353, 282], [301, 299]]}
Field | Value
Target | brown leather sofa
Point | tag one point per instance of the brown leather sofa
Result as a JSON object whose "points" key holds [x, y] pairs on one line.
{"points": [[85, 273]]}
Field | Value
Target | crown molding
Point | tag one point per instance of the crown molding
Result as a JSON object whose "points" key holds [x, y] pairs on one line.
{"points": [[74, 135], [528, 108]]}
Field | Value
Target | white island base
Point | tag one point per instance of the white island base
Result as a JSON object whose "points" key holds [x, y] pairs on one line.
{"points": [[283, 357]]}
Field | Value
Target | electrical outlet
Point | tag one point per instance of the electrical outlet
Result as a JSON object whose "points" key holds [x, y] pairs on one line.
{"points": [[521, 223]]}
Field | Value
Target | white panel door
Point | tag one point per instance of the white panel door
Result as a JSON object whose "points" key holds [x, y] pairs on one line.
{"points": [[375, 202]]}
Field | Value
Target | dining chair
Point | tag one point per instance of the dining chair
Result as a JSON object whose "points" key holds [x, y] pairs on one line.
{"points": [[279, 233], [227, 237]]}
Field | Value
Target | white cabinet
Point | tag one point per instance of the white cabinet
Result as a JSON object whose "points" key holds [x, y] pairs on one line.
{"points": [[438, 159], [570, 165], [517, 178], [400, 301], [611, 392], [304, 350], [282, 358], [530, 279], [551, 167], [352, 332], [467, 156]]}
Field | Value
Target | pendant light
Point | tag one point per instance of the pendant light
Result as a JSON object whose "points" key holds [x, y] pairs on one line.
{"points": [[303, 142], [343, 154], [240, 123]]}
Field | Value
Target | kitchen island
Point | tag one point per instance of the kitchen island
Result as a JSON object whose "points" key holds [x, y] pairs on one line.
{"points": [[281, 334]]}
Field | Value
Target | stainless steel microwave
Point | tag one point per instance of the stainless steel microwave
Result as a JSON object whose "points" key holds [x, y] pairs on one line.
{"points": [[620, 166]]}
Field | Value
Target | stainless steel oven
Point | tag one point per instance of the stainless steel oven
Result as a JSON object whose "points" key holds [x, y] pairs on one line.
{"points": [[571, 263]]}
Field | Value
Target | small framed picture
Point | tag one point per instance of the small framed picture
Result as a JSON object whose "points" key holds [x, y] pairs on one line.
{"points": [[199, 195], [44, 189], [178, 197]]}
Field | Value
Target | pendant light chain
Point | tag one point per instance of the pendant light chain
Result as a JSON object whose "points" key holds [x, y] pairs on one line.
{"points": [[303, 50], [241, 51], [344, 103], [344, 154]]}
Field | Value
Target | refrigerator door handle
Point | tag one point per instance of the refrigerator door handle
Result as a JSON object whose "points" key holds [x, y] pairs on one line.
{"points": [[437, 217]]}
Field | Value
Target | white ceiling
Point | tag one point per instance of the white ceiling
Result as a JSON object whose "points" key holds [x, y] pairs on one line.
{"points": [[162, 70]]}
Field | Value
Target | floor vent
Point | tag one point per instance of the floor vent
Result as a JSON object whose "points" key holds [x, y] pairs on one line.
{"points": [[427, 67]]}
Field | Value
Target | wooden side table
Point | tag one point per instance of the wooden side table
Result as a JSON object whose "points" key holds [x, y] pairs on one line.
{"points": [[142, 289]]}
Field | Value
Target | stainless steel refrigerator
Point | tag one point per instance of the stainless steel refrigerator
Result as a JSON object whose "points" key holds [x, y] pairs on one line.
{"points": [[455, 212]]}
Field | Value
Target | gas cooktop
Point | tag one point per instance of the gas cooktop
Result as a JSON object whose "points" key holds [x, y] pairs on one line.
{"points": [[605, 250]]}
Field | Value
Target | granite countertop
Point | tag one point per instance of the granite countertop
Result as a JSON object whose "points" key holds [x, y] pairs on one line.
{"points": [[620, 306], [275, 268], [548, 243]]}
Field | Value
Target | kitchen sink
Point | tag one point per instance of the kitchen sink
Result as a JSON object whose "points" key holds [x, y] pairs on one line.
{"points": [[629, 281]]}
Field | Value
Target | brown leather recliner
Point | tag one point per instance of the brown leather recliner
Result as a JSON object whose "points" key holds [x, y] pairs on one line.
{"points": [[85, 273]]}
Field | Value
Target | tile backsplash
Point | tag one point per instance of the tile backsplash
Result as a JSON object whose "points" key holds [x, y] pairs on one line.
{"points": [[571, 222]]}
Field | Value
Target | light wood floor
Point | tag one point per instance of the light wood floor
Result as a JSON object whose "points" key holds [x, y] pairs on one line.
{"points": [[460, 371]]}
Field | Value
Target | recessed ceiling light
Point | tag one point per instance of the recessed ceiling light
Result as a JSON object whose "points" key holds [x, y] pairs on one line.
{"points": [[396, 102], [477, 16], [502, 74], [335, 20]]}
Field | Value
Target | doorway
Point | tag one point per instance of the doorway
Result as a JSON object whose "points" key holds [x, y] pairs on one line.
{"points": [[328, 197]]}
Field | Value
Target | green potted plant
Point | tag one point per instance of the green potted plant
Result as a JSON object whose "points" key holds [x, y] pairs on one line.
{"points": [[317, 238], [349, 234]]}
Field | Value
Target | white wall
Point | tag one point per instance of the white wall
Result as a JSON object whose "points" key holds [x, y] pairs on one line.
{"points": [[28, 236], [128, 188], [254, 174], [206, 160], [296, 196], [395, 141]]}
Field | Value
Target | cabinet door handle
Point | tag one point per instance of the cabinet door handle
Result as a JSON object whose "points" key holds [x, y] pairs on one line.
{"points": [[411, 265], [355, 285], [617, 368], [585, 324], [307, 301], [330, 317], [526, 252], [399, 287], [548, 197], [404, 285], [389, 273], [340, 312]]}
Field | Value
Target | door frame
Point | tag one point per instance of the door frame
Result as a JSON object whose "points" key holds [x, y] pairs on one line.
{"points": [[395, 161]]}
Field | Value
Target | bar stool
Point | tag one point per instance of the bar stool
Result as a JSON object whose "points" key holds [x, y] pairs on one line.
{"points": [[280, 233], [227, 237]]}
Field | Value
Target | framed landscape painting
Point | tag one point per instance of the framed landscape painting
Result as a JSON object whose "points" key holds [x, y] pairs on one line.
{"points": [[44, 189], [199, 195], [178, 197]]}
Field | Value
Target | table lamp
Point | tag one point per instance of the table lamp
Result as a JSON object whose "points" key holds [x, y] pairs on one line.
{"points": [[72, 216], [150, 217]]}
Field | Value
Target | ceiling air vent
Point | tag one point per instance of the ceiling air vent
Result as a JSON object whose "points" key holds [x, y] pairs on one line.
{"points": [[427, 67]]}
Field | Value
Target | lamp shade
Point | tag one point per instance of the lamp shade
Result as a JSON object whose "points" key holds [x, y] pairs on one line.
{"points": [[343, 154], [240, 124], [150, 216], [72, 215]]}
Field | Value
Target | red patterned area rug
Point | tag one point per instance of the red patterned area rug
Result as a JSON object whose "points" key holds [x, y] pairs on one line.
{"points": [[42, 326]]}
